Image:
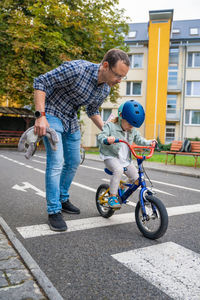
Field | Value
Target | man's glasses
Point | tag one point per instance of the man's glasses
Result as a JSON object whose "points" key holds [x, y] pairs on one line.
{"points": [[117, 75]]}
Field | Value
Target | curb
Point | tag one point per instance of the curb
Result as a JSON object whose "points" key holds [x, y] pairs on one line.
{"points": [[42, 280]]}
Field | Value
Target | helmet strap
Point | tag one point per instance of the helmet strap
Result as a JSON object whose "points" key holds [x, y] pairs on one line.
{"points": [[120, 118]]}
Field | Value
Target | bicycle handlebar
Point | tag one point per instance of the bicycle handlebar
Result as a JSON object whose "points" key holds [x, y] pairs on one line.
{"points": [[133, 147]]}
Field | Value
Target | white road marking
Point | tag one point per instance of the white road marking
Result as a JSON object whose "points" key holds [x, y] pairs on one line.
{"points": [[39, 161], [27, 185], [41, 171], [95, 222], [172, 268], [75, 225], [84, 186], [160, 182], [176, 186], [182, 210], [40, 156], [156, 190], [92, 168]]}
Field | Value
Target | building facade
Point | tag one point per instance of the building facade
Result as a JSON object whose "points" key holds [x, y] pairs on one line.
{"points": [[164, 77]]}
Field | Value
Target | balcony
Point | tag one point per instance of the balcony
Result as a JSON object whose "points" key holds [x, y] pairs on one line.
{"points": [[173, 115], [174, 86]]}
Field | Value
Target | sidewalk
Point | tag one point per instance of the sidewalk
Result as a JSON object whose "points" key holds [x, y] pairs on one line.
{"points": [[20, 276], [173, 169]]}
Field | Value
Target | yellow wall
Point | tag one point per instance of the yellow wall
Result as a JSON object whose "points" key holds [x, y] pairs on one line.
{"points": [[159, 37]]}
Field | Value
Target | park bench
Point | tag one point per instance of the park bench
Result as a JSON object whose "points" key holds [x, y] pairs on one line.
{"points": [[10, 138], [176, 147]]}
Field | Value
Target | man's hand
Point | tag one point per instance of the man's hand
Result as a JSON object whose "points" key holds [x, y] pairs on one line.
{"points": [[40, 126]]}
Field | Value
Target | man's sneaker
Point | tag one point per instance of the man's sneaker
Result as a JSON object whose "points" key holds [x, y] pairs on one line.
{"points": [[69, 208], [113, 202], [56, 222]]}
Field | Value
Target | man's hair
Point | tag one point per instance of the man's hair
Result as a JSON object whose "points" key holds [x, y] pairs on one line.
{"points": [[114, 55]]}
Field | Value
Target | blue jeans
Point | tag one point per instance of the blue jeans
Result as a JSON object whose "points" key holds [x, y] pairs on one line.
{"points": [[61, 165]]}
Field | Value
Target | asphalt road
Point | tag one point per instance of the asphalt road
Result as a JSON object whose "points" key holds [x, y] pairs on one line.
{"points": [[82, 264]]}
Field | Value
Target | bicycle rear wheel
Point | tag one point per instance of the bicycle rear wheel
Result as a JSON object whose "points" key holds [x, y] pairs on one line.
{"points": [[155, 224], [102, 195]]}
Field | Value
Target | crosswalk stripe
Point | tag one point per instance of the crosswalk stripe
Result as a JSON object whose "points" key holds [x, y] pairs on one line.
{"points": [[95, 222], [172, 268]]}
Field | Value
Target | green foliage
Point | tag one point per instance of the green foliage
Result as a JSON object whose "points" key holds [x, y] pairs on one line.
{"points": [[194, 139], [163, 147], [38, 35]]}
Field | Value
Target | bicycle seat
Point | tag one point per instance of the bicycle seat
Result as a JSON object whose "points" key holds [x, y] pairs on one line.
{"points": [[110, 172]]}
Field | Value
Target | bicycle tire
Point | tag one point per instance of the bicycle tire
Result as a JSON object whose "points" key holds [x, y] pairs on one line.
{"points": [[104, 210], [82, 154], [161, 217]]}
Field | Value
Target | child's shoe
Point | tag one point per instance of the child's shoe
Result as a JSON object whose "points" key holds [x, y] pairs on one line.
{"points": [[113, 202]]}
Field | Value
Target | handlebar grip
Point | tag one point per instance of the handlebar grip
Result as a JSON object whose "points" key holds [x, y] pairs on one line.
{"points": [[105, 141]]}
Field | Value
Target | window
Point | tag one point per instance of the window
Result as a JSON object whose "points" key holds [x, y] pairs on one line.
{"points": [[133, 88], [171, 104], [105, 113], [173, 56], [175, 30], [132, 34], [170, 132], [194, 31], [136, 61], [193, 88], [172, 76], [192, 117], [194, 59]]}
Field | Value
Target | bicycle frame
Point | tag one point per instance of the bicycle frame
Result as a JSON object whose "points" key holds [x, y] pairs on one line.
{"points": [[141, 180]]}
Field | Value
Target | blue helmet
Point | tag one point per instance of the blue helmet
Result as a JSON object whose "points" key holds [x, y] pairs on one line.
{"points": [[133, 112]]}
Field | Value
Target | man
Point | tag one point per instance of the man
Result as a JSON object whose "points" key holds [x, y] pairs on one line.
{"points": [[58, 95]]}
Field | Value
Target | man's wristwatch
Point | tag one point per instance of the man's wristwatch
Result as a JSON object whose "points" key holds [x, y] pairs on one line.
{"points": [[39, 114]]}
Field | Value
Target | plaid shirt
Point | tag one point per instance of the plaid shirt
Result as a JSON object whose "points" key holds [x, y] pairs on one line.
{"points": [[70, 86]]}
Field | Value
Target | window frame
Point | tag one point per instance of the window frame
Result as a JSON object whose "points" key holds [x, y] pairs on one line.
{"points": [[173, 100], [131, 88], [191, 111], [192, 88], [132, 60], [193, 59], [103, 113], [170, 126]]}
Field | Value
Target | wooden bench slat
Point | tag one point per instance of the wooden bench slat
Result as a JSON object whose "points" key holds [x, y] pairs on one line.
{"points": [[175, 150]]}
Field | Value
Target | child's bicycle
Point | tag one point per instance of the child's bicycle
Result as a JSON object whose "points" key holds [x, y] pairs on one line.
{"points": [[150, 213]]}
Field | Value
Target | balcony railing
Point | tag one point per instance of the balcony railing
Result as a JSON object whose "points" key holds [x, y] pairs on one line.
{"points": [[173, 114], [174, 86]]}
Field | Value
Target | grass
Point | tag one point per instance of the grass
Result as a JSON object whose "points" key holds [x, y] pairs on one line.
{"points": [[181, 160]]}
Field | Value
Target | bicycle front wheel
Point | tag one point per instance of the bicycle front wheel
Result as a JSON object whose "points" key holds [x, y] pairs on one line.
{"points": [[155, 223]]}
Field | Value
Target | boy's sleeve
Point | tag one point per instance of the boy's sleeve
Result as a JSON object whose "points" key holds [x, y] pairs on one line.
{"points": [[104, 133], [139, 140], [62, 76]]}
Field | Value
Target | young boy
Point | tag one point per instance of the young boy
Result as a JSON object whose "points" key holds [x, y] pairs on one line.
{"points": [[117, 157]]}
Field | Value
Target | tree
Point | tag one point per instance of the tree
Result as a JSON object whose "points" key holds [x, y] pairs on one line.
{"points": [[37, 36]]}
